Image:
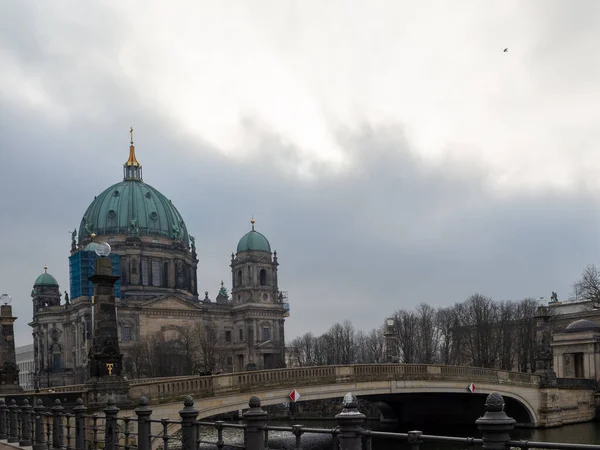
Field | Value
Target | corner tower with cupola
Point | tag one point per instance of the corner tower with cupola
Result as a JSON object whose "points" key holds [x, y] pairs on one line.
{"points": [[258, 304], [254, 270]]}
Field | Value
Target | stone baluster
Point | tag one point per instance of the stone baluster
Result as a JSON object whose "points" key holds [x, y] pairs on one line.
{"points": [[39, 443], [57, 422], [111, 435], [350, 421], [144, 426], [188, 415], [79, 412], [3, 419], [495, 425], [25, 424], [256, 420], [13, 419]]}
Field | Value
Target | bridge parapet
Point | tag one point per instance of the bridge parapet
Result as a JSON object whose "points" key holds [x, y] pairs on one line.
{"points": [[205, 386]]}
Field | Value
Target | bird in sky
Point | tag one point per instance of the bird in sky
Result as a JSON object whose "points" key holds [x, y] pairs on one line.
{"points": [[505, 50]]}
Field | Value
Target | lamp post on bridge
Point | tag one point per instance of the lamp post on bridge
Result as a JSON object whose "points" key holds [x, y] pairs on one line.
{"points": [[391, 345]]}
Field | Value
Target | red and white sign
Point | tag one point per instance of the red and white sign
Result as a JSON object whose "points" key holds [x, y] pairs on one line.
{"points": [[471, 387], [294, 395]]}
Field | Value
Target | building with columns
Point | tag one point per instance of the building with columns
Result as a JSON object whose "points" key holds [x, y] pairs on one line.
{"points": [[157, 292]]}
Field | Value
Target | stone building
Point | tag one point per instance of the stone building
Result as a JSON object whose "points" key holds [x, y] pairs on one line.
{"points": [[25, 364], [576, 350], [157, 293]]}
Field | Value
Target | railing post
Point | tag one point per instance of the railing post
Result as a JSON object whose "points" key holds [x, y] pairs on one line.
{"points": [[13, 412], [350, 421], [57, 431], [25, 424], [110, 430], [188, 424], [3, 417], [143, 416], [414, 439], [256, 420], [495, 425], [79, 412], [39, 443]]}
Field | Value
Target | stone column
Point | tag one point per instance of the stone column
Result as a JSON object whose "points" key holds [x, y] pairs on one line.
{"points": [[105, 361], [9, 372], [544, 358]]}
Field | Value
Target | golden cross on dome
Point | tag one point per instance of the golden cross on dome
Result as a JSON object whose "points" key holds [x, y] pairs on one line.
{"points": [[131, 135]]}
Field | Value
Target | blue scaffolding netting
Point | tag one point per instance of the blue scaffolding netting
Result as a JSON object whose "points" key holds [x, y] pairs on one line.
{"points": [[82, 266]]}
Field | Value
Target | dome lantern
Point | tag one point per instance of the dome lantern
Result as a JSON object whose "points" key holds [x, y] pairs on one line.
{"points": [[132, 169]]}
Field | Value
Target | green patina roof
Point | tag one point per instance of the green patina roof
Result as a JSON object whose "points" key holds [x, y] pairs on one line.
{"points": [[45, 279], [253, 241], [136, 208]]}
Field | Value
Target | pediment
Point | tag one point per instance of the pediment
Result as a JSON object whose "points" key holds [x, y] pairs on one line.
{"points": [[170, 302], [267, 345]]}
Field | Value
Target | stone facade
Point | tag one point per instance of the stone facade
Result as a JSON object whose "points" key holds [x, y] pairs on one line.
{"points": [[157, 292], [576, 351]]}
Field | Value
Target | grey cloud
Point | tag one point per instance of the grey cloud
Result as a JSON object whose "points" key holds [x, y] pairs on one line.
{"points": [[392, 232]]}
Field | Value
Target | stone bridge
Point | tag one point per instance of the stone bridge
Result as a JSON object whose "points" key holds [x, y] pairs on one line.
{"points": [[402, 392]]}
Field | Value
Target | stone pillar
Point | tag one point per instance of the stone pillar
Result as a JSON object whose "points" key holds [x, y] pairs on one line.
{"points": [[188, 416], [9, 372], [39, 441], [544, 359], [350, 421], [144, 415], [256, 420], [281, 323], [105, 361]]}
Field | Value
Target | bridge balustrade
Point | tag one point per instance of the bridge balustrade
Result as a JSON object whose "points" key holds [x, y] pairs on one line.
{"points": [[174, 387], [52, 426]]}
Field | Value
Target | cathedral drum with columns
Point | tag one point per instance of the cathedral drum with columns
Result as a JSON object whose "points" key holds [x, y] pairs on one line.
{"points": [[155, 262]]}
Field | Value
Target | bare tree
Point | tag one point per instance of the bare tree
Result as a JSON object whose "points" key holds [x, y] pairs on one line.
{"points": [[479, 330], [505, 329], [447, 323], [588, 286], [428, 334], [210, 356], [525, 336], [405, 323]]}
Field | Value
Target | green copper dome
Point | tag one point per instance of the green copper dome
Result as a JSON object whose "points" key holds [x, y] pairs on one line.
{"points": [[45, 279], [133, 208], [253, 241]]}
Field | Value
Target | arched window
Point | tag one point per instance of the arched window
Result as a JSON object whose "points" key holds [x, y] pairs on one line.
{"points": [[239, 278], [126, 332], [262, 277], [56, 357]]}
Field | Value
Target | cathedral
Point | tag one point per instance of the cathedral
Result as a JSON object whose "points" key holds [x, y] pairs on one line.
{"points": [[157, 290]]}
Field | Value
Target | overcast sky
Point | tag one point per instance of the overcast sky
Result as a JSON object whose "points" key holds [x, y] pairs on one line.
{"points": [[390, 150]]}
